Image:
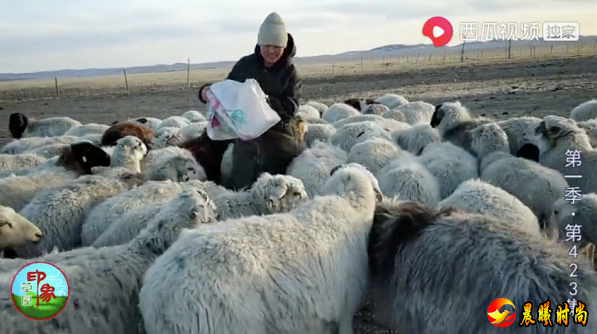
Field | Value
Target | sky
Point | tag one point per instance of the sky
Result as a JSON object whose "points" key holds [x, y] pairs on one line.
{"points": [[41, 35]]}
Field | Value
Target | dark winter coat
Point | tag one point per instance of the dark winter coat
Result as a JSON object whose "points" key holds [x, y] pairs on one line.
{"points": [[275, 149]]}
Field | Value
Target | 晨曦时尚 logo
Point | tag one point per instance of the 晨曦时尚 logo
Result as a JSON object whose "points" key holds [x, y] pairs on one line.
{"points": [[39, 291], [501, 317]]}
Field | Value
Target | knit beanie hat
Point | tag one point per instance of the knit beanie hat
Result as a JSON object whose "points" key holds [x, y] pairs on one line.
{"points": [[272, 31]]}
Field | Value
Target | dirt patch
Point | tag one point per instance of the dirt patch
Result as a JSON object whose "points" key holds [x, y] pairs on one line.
{"points": [[504, 90]]}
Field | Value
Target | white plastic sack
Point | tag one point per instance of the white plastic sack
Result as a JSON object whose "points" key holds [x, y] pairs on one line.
{"points": [[238, 110]]}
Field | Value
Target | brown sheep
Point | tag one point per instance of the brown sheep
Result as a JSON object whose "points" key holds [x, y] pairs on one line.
{"points": [[123, 129], [81, 157]]}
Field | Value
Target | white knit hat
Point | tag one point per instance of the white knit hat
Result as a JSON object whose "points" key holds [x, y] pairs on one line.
{"points": [[272, 31]]}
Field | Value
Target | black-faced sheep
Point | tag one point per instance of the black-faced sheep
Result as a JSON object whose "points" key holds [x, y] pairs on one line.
{"points": [[150, 122], [514, 129], [565, 147], [21, 126], [121, 130], [452, 120], [360, 104], [208, 153], [104, 283], [452, 265], [253, 261], [375, 109], [82, 157]]}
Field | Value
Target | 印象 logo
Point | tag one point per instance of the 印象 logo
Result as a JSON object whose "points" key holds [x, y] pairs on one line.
{"points": [[39, 291], [501, 317]]}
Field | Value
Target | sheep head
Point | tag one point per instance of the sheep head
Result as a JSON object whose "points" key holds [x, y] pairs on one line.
{"points": [[16, 230], [81, 157], [374, 183], [279, 192], [447, 115], [17, 123], [130, 147], [550, 130]]}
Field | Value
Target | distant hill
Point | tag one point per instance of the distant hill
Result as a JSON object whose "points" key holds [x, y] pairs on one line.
{"points": [[378, 52]]}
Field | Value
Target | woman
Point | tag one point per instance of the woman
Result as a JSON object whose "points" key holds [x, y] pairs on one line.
{"points": [[271, 65]]}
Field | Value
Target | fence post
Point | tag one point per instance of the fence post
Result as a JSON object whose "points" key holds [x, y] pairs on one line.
{"points": [[509, 48], [444, 60], [56, 87], [333, 68], [462, 52], [531, 51], [188, 73], [551, 49], [126, 81], [362, 70]]}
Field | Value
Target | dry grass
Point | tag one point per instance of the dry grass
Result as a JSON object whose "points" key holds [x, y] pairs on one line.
{"points": [[177, 80]]}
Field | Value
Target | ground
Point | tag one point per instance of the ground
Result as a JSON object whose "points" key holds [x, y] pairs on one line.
{"points": [[504, 88]]}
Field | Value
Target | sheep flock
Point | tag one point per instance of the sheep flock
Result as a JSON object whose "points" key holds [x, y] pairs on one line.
{"points": [[417, 214]]}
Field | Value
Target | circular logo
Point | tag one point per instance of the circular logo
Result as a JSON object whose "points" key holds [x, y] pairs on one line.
{"points": [[504, 318], [39, 291]]}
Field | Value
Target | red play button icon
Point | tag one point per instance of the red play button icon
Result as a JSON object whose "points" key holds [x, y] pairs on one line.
{"points": [[438, 30]]}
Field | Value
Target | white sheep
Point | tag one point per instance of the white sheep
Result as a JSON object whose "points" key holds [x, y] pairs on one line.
{"points": [[61, 211], [104, 214], [566, 214], [308, 112], [269, 194], [412, 112], [18, 146], [321, 107], [339, 111], [584, 111], [87, 129], [375, 109], [565, 147], [315, 256], [406, 179], [128, 225], [318, 132], [149, 122], [415, 138], [590, 128], [392, 125], [10, 162], [111, 277], [451, 263], [125, 158], [194, 116], [392, 101], [172, 163], [348, 135], [16, 230], [373, 153], [48, 151], [476, 196], [226, 164], [542, 185], [20, 126], [451, 165], [173, 122], [514, 129], [313, 165], [191, 131]]}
